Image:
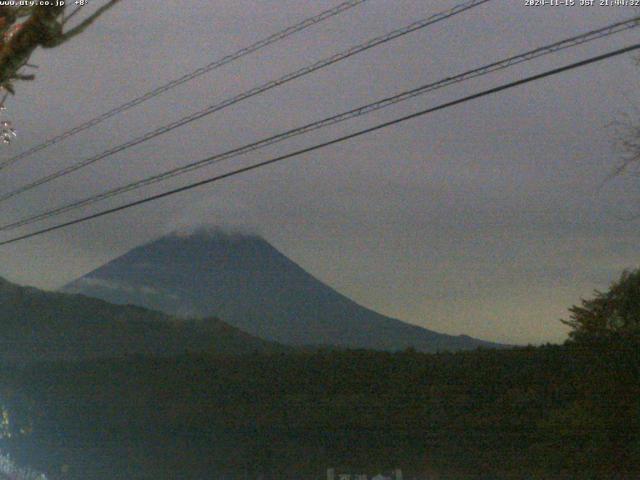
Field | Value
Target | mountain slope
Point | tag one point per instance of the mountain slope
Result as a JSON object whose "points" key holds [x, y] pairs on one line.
{"points": [[251, 285], [36, 325]]}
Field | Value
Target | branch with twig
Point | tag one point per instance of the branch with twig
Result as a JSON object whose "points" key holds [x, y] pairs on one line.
{"points": [[43, 27]]}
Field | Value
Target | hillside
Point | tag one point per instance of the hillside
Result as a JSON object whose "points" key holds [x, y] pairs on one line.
{"points": [[549, 413], [251, 285], [38, 325]]}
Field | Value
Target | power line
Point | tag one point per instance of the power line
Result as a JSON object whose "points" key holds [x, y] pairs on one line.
{"points": [[276, 37], [350, 136], [363, 110], [250, 93]]}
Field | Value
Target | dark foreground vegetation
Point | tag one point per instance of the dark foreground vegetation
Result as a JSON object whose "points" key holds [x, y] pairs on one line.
{"points": [[551, 412]]}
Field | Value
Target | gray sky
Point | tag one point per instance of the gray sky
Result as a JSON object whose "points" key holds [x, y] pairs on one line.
{"points": [[484, 219]]}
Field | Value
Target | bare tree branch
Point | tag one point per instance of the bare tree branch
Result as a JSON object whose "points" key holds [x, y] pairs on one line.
{"points": [[82, 26], [42, 28], [70, 16], [37, 30]]}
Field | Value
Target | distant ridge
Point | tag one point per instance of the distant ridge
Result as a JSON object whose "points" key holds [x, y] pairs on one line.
{"points": [[46, 326], [242, 279]]}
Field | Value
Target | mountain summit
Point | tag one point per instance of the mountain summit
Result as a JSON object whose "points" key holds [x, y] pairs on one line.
{"points": [[243, 280]]}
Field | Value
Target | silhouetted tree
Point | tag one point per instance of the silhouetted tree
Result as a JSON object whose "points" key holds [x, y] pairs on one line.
{"points": [[615, 313]]}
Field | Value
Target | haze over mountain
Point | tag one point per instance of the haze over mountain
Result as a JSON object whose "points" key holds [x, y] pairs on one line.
{"points": [[36, 325], [245, 281]]}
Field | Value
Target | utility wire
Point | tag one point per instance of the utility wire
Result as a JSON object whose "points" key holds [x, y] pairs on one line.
{"points": [[350, 136], [250, 93], [276, 37], [363, 110]]}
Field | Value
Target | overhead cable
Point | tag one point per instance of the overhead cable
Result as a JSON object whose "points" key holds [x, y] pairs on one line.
{"points": [[319, 146], [248, 94], [276, 37], [353, 113]]}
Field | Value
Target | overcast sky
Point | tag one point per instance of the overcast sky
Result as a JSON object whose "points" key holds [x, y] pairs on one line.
{"points": [[485, 219]]}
